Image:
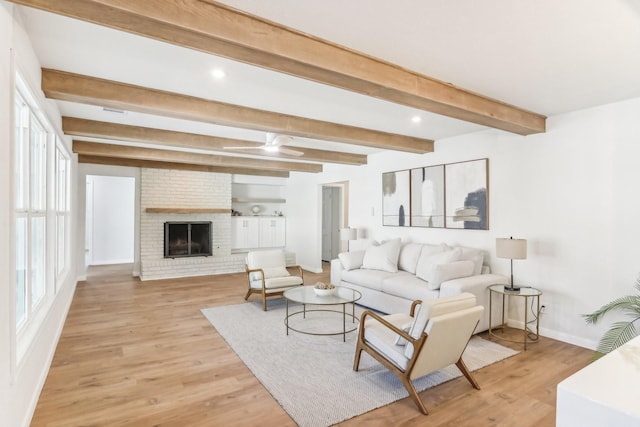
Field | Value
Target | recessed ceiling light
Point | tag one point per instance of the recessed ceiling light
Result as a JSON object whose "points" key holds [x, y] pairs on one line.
{"points": [[218, 73], [416, 119]]}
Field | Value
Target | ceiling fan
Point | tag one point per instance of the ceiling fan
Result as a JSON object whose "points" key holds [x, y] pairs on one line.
{"points": [[274, 143]]}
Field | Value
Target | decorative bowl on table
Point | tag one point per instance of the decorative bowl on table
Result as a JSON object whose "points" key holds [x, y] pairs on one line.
{"points": [[324, 289]]}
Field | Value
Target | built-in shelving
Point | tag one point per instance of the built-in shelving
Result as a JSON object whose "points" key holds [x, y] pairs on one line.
{"points": [[187, 210], [257, 200], [267, 195]]}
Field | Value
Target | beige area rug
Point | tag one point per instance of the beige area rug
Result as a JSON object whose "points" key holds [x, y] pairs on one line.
{"points": [[311, 376]]}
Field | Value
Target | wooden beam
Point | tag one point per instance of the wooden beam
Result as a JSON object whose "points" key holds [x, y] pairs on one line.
{"points": [[90, 90], [152, 164], [221, 30], [130, 152], [91, 128], [187, 210]]}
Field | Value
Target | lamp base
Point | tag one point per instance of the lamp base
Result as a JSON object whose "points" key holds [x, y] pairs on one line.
{"points": [[511, 288]]}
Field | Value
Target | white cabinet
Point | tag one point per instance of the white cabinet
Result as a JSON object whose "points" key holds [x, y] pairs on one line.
{"points": [[245, 233], [272, 232], [257, 232]]}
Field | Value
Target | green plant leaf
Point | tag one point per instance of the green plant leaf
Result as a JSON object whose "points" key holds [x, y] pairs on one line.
{"points": [[629, 303], [618, 334]]}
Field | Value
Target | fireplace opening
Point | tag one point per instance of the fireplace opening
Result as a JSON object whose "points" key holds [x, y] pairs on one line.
{"points": [[184, 239]]}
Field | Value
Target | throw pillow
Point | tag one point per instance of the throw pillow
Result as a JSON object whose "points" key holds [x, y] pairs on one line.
{"points": [[428, 261], [475, 255], [405, 327], [271, 272], [450, 271], [410, 253], [351, 260], [382, 257]]}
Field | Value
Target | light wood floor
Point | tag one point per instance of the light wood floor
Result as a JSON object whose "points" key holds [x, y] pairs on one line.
{"points": [[141, 354]]}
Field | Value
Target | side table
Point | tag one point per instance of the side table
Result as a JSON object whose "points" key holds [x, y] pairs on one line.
{"points": [[525, 294]]}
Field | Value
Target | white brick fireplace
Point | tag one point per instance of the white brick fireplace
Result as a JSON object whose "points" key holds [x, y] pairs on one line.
{"points": [[189, 192]]}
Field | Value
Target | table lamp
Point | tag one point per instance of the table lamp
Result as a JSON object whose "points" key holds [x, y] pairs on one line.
{"points": [[511, 249], [348, 234]]}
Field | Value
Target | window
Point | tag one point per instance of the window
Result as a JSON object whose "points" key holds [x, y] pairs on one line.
{"points": [[40, 205], [62, 208]]}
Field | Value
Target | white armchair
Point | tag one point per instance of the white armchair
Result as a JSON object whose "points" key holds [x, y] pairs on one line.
{"points": [[268, 275], [431, 337]]}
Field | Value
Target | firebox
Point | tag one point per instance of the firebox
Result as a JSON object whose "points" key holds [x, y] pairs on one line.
{"points": [[185, 239]]}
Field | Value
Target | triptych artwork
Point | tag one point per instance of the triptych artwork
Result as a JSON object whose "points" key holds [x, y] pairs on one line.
{"points": [[453, 195]]}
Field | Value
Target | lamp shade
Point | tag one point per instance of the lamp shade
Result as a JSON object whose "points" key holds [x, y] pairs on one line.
{"points": [[511, 248], [348, 234]]}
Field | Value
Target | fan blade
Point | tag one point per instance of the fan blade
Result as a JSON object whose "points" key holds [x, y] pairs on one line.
{"points": [[290, 152], [244, 148]]}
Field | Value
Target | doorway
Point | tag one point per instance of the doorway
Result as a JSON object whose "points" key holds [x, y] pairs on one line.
{"points": [[334, 217], [110, 220]]}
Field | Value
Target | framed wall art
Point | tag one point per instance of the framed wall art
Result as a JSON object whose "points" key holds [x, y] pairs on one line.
{"points": [[466, 193], [396, 198], [427, 197]]}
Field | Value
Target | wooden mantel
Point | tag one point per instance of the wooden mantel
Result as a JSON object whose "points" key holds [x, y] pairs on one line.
{"points": [[187, 210]]}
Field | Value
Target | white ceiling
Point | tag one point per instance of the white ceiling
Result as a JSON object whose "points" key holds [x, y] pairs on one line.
{"points": [[547, 56]]}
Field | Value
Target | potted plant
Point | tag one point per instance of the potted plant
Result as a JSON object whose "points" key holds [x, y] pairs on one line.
{"points": [[620, 332]]}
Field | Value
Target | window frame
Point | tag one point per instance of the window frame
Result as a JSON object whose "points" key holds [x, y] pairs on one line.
{"points": [[37, 206]]}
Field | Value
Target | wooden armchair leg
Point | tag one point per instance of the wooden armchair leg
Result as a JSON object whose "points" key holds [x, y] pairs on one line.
{"points": [[246, 297], [264, 301], [356, 359], [465, 371], [406, 381]]}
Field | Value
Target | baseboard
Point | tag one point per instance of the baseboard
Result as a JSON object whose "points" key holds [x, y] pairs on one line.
{"points": [[112, 261], [559, 336]]}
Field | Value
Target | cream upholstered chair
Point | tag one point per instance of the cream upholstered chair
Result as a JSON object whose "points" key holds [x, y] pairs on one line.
{"points": [[433, 336], [268, 275]]}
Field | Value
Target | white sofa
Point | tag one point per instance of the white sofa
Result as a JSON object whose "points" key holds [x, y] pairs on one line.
{"points": [[391, 275]]}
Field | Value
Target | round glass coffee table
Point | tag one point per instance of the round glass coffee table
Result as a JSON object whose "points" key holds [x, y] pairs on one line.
{"points": [[305, 295]]}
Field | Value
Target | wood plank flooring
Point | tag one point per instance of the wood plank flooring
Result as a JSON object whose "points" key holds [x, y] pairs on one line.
{"points": [[141, 354]]}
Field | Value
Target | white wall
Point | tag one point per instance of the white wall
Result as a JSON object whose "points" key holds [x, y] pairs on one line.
{"points": [[20, 384], [113, 225], [572, 192]]}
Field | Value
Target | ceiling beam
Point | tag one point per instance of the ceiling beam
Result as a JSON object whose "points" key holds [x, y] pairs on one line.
{"points": [[130, 152], [118, 161], [107, 93], [91, 128], [221, 30]]}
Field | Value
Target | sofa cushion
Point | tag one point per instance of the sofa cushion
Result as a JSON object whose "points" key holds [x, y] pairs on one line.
{"points": [[351, 260], [383, 256], [384, 339], [450, 271], [428, 261], [371, 279], [408, 258], [408, 286], [475, 255]]}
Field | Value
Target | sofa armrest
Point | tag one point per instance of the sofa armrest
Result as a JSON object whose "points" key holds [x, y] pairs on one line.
{"points": [[477, 285], [336, 271]]}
